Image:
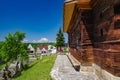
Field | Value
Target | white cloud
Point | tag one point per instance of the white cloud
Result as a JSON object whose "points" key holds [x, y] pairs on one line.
{"points": [[43, 40], [34, 41], [25, 41]]}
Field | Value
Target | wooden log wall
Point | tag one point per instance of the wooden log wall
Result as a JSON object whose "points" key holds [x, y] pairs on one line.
{"points": [[94, 36], [107, 37]]}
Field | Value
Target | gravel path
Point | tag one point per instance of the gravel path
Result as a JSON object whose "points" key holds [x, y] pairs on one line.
{"points": [[63, 70]]}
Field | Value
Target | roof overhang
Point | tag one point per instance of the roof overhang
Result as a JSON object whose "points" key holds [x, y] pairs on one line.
{"points": [[67, 14], [84, 5], [69, 9]]}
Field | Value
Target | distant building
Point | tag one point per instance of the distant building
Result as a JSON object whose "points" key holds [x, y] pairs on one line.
{"points": [[38, 51], [31, 50], [52, 49], [43, 49], [60, 50]]}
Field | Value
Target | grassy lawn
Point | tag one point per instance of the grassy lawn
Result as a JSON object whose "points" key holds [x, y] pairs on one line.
{"points": [[38, 70], [3, 65]]}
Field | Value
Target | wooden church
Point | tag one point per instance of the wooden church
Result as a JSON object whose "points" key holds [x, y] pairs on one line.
{"points": [[93, 28]]}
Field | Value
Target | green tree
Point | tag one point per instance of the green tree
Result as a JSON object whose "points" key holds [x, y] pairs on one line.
{"points": [[60, 40], [0, 50], [12, 47]]}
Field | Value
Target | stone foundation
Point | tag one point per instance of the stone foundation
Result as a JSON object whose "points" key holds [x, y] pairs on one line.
{"points": [[104, 75], [86, 69], [94, 69]]}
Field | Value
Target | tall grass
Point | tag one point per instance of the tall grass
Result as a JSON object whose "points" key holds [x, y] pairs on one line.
{"points": [[38, 70]]}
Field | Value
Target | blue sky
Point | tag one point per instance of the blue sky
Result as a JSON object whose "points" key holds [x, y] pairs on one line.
{"points": [[38, 18]]}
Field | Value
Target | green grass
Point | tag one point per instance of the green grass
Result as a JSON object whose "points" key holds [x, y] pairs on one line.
{"points": [[38, 70], [3, 65]]}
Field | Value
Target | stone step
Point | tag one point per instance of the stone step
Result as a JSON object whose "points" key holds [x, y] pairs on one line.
{"points": [[74, 62]]}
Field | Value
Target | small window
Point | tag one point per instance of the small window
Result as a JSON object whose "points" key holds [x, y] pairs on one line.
{"points": [[117, 24], [101, 15], [101, 32], [117, 9]]}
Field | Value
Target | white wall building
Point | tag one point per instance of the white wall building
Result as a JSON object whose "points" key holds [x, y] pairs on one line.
{"points": [[31, 49]]}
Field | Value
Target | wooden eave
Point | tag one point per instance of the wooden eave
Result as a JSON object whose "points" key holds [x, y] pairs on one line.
{"points": [[93, 3], [69, 9], [67, 14], [73, 19], [84, 5]]}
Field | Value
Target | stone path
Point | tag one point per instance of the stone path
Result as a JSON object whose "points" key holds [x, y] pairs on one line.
{"points": [[63, 70]]}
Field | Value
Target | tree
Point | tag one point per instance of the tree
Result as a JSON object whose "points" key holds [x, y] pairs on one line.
{"points": [[0, 50], [12, 47], [60, 40]]}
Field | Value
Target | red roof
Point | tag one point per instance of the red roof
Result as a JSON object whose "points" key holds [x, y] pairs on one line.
{"points": [[45, 47]]}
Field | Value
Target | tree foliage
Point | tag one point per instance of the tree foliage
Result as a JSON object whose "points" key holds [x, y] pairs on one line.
{"points": [[12, 47], [60, 39]]}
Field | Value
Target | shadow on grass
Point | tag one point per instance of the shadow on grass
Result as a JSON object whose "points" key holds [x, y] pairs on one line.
{"points": [[27, 67]]}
